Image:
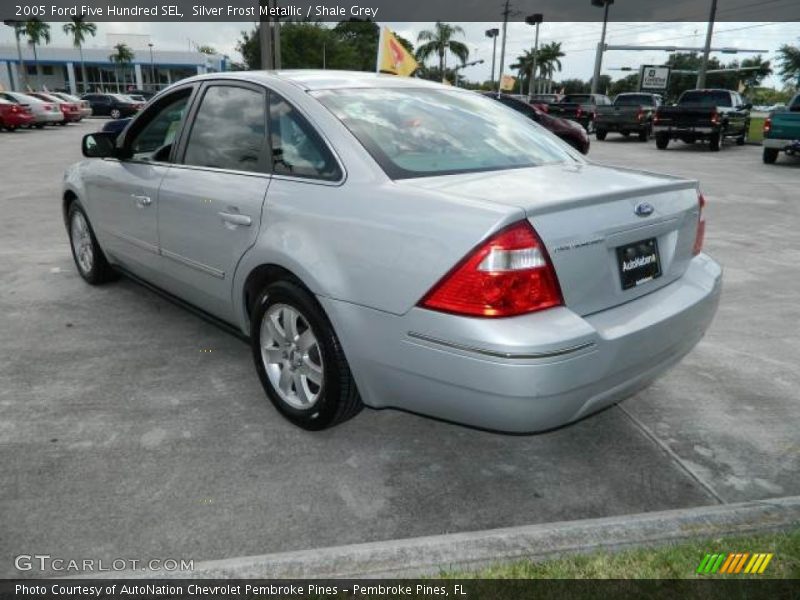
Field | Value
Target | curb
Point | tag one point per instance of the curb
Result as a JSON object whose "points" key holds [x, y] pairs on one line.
{"points": [[430, 555]]}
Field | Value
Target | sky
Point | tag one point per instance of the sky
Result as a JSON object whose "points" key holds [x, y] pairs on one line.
{"points": [[579, 41]]}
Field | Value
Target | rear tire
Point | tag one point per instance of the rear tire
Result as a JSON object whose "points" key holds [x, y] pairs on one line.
{"points": [[770, 156], [299, 359], [601, 134], [644, 135], [715, 142], [89, 258], [740, 141], [662, 141]]}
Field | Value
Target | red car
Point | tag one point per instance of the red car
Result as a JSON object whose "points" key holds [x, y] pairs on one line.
{"points": [[570, 132], [70, 110], [14, 115]]}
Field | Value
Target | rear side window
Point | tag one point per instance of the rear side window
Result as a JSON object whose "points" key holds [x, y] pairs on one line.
{"points": [[297, 149], [229, 129]]}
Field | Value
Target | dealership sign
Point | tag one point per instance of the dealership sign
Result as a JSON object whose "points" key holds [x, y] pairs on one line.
{"points": [[653, 78]]}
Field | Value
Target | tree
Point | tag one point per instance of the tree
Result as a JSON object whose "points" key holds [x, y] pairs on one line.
{"points": [[19, 31], [439, 41], [789, 63], [574, 86], [549, 61], [206, 49], [78, 29], [524, 65], [122, 56], [37, 32], [630, 83]]}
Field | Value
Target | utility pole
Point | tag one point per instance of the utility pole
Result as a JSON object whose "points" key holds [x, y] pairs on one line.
{"points": [[265, 36], [506, 12], [493, 33], [701, 75], [598, 61], [535, 20], [276, 34], [152, 70]]}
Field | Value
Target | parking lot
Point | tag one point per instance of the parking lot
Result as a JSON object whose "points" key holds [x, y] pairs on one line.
{"points": [[133, 428]]}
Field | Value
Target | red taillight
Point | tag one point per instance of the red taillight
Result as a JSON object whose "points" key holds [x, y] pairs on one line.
{"points": [[640, 115], [579, 112], [701, 226], [715, 118], [509, 274], [14, 108], [48, 107], [767, 125]]}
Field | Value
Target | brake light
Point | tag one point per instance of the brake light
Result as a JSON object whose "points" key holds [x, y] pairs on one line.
{"points": [[767, 125], [701, 225], [509, 274], [14, 108], [579, 112], [640, 115], [715, 118]]}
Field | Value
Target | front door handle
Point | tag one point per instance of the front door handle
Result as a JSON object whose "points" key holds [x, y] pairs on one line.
{"points": [[142, 201], [235, 219]]}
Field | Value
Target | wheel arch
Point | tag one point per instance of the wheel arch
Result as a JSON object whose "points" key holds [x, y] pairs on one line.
{"points": [[260, 276]]}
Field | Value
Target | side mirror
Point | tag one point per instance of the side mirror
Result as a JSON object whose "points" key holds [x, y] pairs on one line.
{"points": [[99, 145]]}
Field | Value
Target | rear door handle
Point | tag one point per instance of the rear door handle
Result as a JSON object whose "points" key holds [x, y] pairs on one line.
{"points": [[142, 201], [235, 219]]}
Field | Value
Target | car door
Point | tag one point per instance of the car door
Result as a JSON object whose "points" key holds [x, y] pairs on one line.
{"points": [[123, 193], [210, 203]]}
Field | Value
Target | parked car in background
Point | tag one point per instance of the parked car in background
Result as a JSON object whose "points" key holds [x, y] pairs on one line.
{"points": [[543, 101], [70, 110], [115, 106], [782, 132], [709, 115], [14, 115], [570, 132], [143, 93], [395, 242], [581, 108], [85, 107], [44, 113], [630, 113]]}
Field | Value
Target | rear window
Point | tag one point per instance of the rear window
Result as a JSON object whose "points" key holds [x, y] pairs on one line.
{"points": [[577, 99], [706, 98], [413, 132], [633, 100]]}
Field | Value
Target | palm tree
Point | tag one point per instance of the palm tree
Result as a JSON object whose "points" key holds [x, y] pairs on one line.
{"points": [[122, 56], [19, 31], [550, 60], [524, 65], [78, 29], [789, 59], [439, 41], [37, 32]]}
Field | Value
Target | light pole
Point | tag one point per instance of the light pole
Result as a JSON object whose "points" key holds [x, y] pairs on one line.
{"points": [[20, 67], [701, 75], [152, 69], [535, 20], [506, 13], [492, 34], [598, 61]]}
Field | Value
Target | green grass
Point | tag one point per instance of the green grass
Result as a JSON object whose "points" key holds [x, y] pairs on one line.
{"points": [[756, 133], [675, 561]]}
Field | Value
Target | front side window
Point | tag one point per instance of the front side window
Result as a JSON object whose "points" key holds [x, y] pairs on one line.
{"points": [[158, 135], [229, 130], [418, 132], [297, 149]]}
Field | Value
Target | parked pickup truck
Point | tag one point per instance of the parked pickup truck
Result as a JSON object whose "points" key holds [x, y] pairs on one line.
{"points": [[782, 132], [581, 108], [705, 115], [630, 113]]}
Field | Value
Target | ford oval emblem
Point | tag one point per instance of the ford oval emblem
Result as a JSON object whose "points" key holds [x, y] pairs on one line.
{"points": [[644, 209]]}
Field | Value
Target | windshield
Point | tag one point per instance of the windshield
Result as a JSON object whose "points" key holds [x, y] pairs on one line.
{"points": [[633, 100], [423, 132], [706, 98]]}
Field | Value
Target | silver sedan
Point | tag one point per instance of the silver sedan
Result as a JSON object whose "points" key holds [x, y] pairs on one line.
{"points": [[44, 113], [391, 242]]}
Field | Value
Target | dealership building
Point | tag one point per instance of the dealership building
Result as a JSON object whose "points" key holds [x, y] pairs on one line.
{"points": [[60, 68]]}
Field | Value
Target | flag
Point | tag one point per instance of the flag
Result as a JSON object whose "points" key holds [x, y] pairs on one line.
{"points": [[393, 57], [507, 82]]}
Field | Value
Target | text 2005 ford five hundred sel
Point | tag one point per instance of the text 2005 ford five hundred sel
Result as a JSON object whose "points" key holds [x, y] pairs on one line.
{"points": [[391, 242]]}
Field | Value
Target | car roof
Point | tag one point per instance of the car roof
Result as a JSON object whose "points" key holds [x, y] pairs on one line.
{"points": [[314, 79]]}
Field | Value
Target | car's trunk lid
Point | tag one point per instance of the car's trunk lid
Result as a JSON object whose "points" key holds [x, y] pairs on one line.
{"points": [[584, 213]]}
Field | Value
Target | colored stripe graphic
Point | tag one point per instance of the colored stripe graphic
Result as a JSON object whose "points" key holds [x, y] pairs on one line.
{"points": [[735, 563]]}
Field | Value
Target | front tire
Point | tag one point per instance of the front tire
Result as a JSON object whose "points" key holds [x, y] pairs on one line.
{"points": [[299, 359], [770, 156], [89, 258], [601, 134], [644, 134], [662, 141], [715, 142]]}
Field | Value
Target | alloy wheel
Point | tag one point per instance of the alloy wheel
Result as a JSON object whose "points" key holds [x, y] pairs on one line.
{"points": [[82, 242]]}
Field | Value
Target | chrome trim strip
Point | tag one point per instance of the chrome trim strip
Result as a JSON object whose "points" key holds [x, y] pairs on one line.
{"points": [[193, 264], [496, 354], [134, 241]]}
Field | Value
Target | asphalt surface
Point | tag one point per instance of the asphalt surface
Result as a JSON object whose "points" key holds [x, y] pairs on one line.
{"points": [[130, 428]]}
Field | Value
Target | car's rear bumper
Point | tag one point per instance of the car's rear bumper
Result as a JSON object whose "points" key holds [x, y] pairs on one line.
{"points": [[781, 144], [527, 373], [684, 129]]}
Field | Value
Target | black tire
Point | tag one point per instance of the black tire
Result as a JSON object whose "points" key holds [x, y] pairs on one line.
{"points": [[715, 142], [770, 156], [626, 134], [662, 141], [39, 126], [644, 134], [601, 134], [99, 271], [337, 398], [740, 141]]}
